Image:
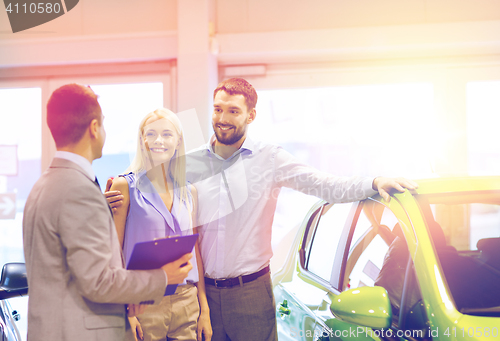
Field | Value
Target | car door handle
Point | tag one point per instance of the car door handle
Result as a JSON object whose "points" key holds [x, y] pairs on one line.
{"points": [[16, 316], [283, 309]]}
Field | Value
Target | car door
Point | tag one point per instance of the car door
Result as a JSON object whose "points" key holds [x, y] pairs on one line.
{"points": [[360, 256], [304, 292], [363, 253], [374, 242], [8, 330]]}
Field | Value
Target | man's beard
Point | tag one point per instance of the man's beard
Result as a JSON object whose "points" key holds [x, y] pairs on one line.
{"points": [[231, 138]]}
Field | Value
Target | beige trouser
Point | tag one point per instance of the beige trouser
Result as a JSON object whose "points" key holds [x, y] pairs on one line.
{"points": [[175, 318]]}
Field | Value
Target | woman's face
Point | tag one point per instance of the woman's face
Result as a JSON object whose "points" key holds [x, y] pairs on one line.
{"points": [[161, 140]]}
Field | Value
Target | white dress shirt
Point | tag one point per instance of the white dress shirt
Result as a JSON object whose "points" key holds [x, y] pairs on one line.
{"points": [[237, 199]]}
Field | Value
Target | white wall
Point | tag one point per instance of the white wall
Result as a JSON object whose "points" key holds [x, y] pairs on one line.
{"points": [[101, 17], [259, 31], [298, 43], [240, 16]]}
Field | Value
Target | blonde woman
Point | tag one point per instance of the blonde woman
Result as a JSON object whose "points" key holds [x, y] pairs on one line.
{"points": [[157, 203]]}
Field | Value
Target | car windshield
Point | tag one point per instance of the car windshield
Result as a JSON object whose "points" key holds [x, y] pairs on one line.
{"points": [[465, 230]]}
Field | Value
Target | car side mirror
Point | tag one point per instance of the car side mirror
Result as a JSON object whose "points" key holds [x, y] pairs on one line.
{"points": [[364, 306], [13, 281]]}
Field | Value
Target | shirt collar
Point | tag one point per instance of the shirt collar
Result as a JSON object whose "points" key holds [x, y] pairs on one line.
{"points": [[79, 160], [248, 144]]}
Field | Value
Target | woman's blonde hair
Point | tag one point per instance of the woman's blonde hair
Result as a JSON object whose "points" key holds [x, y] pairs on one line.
{"points": [[177, 168]]}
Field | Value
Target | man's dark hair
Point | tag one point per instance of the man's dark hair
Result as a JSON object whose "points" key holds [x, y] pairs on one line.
{"points": [[70, 110], [239, 86]]}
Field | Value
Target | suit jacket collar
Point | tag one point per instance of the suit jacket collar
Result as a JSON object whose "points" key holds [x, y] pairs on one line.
{"points": [[64, 163], [78, 159]]}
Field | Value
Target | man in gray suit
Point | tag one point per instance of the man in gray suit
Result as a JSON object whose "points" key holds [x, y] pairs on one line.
{"points": [[77, 284]]}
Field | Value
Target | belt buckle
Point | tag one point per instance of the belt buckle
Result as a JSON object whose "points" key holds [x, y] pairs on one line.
{"points": [[215, 282]]}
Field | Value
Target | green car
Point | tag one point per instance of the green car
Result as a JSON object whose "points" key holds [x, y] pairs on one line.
{"points": [[424, 266]]}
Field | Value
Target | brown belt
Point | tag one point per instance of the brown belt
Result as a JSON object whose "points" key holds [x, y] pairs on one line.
{"points": [[232, 282]]}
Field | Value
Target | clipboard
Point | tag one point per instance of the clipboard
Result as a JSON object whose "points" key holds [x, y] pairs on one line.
{"points": [[156, 253]]}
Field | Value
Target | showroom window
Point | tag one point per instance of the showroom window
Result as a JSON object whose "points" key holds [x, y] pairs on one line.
{"points": [[483, 120], [353, 130], [26, 146], [365, 130], [123, 106], [20, 168]]}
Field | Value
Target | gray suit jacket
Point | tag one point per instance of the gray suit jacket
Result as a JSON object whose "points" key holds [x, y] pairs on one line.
{"points": [[77, 283]]}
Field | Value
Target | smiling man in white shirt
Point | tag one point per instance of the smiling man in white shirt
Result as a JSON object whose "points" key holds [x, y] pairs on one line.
{"points": [[238, 181]]}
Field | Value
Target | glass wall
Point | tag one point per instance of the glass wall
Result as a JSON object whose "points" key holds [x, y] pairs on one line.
{"points": [[123, 106], [483, 120], [365, 130], [20, 131]]}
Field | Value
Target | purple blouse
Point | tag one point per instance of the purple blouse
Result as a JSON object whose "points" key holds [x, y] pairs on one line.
{"points": [[148, 217]]}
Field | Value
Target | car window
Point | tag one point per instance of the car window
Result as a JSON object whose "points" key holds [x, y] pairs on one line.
{"points": [[362, 226], [369, 244], [324, 239], [465, 232]]}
